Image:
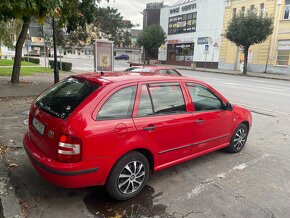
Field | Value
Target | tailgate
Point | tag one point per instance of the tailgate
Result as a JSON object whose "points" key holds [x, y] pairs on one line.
{"points": [[44, 130]]}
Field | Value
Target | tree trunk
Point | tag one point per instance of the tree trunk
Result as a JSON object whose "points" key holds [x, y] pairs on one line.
{"points": [[246, 50], [18, 52]]}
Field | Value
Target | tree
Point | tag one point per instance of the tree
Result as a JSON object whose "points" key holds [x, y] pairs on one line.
{"points": [[151, 38], [24, 10], [72, 14], [249, 29], [110, 24], [127, 39]]}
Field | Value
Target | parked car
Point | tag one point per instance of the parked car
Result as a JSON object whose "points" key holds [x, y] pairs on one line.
{"points": [[114, 129], [122, 57], [154, 69]]}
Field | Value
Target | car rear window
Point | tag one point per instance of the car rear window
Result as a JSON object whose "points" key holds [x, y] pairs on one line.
{"points": [[63, 98]]}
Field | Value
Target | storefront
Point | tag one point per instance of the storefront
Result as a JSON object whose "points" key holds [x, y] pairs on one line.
{"points": [[180, 53], [193, 31]]}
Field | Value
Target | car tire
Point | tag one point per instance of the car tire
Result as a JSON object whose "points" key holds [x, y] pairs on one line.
{"points": [[128, 177], [238, 139]]}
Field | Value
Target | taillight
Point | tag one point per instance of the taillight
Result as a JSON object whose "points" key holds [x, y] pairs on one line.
{"points": [[69, 149]]}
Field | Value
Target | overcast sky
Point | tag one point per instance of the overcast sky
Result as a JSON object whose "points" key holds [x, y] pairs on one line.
{"points": [[130, 9]]}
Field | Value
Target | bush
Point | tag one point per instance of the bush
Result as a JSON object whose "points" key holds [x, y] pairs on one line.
{"points": [[31, 60], [66, 66]]}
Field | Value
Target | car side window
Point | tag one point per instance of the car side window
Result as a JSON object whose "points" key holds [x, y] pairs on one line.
{"points": [[119, 105], [203, 99], [145, 105], [172, 72], [166, 98]]}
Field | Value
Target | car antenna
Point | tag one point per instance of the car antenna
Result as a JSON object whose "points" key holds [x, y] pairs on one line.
{"points": [[102, 73]]}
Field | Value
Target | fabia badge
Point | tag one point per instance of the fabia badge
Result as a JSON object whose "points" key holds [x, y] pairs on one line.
{"points": [[50, 134]]}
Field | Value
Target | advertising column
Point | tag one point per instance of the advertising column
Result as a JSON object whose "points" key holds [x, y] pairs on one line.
{"points": [[104, 55]]}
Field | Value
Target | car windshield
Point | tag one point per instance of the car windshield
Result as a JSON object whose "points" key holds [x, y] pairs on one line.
{"points": [[61, 99], [142, 69]]}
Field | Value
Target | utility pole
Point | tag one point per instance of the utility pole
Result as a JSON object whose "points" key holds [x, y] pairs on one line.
{"points": [[56, 72]]}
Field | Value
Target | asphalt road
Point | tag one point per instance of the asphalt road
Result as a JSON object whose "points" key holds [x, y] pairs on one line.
{"points": [[253, 183]]}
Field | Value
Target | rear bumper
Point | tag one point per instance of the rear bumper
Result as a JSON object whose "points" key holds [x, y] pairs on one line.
{"points": [[68, 175]]}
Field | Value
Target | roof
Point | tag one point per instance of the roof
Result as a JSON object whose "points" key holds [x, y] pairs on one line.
{"points": [[122, 77]]}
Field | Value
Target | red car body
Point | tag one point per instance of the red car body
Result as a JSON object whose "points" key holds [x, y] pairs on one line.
{"points": [[176, 138]]}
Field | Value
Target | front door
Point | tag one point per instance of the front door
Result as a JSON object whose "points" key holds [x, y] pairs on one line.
{"points": [[212, 123], [164, 122]]}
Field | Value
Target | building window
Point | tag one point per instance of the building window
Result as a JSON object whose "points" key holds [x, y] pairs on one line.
{"points": [[282, 57], [243, 10], [182, 24], [262, 9], [287, 10], [234, 12], [252, 8]]}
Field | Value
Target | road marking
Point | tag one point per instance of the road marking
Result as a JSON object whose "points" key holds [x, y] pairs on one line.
{"points": [[251, 86], [256, 89], [262, 81], [262, 109], [7, 118], [209, 181]]}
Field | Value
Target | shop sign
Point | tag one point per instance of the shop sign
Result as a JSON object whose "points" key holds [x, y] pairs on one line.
{"points": [[284, 45], [179, 41], [183, 8], [202, 40]]}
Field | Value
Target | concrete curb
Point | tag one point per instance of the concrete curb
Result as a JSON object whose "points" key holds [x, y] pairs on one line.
{"points": [[9, 203]]}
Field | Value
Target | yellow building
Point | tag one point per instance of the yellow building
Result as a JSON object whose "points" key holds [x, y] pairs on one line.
{"points": [[271, 56]]}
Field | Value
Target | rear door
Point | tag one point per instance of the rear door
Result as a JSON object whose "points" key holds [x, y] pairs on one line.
{"points": [[162, 119], [212, 123]]}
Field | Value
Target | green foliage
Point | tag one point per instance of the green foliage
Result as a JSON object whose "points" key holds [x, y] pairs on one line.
{"points": [[152, 37], [31, 60], [127, 39], [65, 66], [25, 71], [8, 62], [249, 29]]}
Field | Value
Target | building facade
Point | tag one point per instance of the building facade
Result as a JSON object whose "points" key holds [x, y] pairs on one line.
{"points": [[271, 56], [193, 29], [151, 14]]}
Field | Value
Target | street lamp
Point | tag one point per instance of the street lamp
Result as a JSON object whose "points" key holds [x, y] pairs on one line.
{"points": [[55, 71]]}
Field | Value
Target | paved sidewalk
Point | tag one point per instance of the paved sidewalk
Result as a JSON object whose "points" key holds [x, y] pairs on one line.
{"points": [[29, 85]]}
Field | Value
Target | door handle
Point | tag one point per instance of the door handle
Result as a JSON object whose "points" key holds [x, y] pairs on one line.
{"points": [[149, 128], [200, 121]]}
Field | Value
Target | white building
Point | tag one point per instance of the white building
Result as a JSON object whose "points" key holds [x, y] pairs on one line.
{"points": [[193, 29]]}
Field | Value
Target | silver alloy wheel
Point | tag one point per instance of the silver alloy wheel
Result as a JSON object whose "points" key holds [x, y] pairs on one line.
{"points": [[240, 139], [131, 177]]}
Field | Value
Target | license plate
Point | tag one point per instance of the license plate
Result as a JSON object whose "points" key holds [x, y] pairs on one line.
{"points": [[38, 126]]}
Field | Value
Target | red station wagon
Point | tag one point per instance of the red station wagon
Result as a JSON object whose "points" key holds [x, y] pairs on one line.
{"points": [[116, 128]]}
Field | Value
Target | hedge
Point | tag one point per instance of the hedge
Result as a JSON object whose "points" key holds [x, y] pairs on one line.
{"points": [[31, 60], [66, 66]]}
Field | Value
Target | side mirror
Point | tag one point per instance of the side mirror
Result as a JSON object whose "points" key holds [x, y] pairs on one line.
{"points": [[228, 106]]}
